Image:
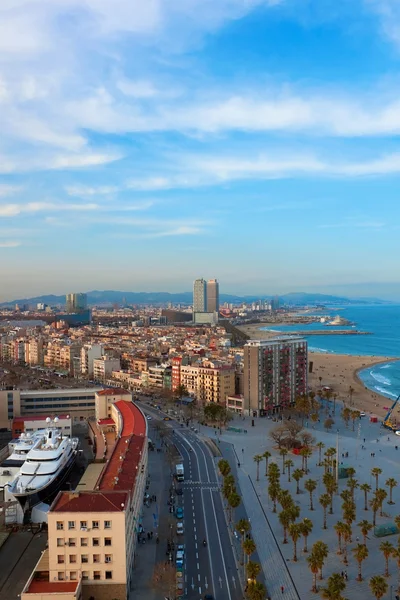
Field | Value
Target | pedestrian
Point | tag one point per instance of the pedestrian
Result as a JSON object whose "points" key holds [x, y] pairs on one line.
{"points": [[243, 450], [342, 574], [155, 498], [151, 535], [388, 439], [282, 589], [364, 440], [357, 539], [345, 575]]}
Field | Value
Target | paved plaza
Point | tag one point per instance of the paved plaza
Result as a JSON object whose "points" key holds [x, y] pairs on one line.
{"points": [[278, 567]]}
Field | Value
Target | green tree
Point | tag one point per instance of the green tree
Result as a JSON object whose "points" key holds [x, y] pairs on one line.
{"points": [[256, 591], [346, 536], [306, 526], [285, 499], [378, 586], [314, 564], [387, 550], [289, 464], [224, 467], [273, 473], [360, 554], [243, 526], [249, 547], [351, 472], [322, 551], [396, 556], [267, 455], [325, 501], [273, 492], [310, 486], [375, 472], [328, 423], [295, 533], [365, 488], [346, 415], [285, 519], [297, 475], [228, 486], [355, 414], [352, 484], [335, 587], [257, 459], [374, 504], [253, 570], [234, 501], [380, 495], [391, 483], [320, 447], [283, 452], [365, 527], [339, 528]]}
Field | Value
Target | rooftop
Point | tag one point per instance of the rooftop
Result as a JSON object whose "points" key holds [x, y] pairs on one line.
{"points": [[39, 418], [104, 501], [51, 587], [114, 392], [60, 392]]}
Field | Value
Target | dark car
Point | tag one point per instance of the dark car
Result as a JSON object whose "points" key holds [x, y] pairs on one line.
{"points": [[208, 597], [179, 491]]}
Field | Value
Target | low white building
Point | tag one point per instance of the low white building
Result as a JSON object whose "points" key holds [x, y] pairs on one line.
{"points": [[104, 366]]}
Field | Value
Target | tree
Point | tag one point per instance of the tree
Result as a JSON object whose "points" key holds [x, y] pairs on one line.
{"points": [[273, 473], [234, 501], [306, 526], [396, 555], [297, 475], [273, 492], [256, 591], [243, 526], [391, 483], [330, 486], [360, 553], [365, 488], [374, 504], [346, 536], [322, 551], [305, 454], [330, 453], [335, 587], [295, 533], [292, 429], [355, 414], [351, 472], [249, 547], [387, 550], [228, 486], [289, 464], [339, 532], [224, 467], [283, 452], [380, 495], [352, 484], [278, 434], [285, 519], [378, 586], [328, 423], [365, 527], [257, 459], [346, 413], [320, 447], [307, 439], [310, 485], [267, 455], [285, 499], [253, 570], [375, 472], [325, 501], [349, 513], [314, 564]]}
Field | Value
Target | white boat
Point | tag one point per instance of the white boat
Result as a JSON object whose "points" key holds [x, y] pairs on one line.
{"points": [[20, 448], [46, 467]]}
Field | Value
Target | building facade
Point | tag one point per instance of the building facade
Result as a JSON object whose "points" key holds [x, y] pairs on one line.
{"points": [[104, 366], [75, 303], [212, 296], [200, 296], [89, 352], [275, 374]]}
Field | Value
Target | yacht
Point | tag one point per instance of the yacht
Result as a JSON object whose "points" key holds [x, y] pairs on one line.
{"points": [[20, 448], [46, 467]]}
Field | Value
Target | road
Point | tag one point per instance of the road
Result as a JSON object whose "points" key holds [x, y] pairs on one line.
{"points": [[211, 569]]}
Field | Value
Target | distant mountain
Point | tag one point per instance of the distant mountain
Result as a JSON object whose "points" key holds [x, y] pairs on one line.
{"points": [[109, 297]]}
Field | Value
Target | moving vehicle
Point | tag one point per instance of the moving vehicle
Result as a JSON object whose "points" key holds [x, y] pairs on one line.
{"points": [[180, 472], [166, 419], [179, 528], [179, 512], [179, 559], [387, 422], [205, 543]]}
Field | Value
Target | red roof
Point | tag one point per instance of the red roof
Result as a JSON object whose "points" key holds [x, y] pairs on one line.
{"points": [[107, 501], [51, 587], [106, 422], [39, 418], [120, 473], [113, 392]]}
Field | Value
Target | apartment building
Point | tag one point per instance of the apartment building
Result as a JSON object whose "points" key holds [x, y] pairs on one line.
{"points": [[60, 355], [34, 351], [89, 352], [208, 383], [104, 366], [275, 374]]}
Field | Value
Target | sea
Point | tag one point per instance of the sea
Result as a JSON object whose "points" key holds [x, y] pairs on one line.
{"points": [[381, 321]]}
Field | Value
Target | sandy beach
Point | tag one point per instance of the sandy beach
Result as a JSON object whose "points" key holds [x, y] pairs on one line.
{"points": [[339, 372]]}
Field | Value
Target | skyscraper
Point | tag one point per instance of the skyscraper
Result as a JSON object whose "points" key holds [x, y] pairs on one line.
{"points": [[212, 296], [199, 296], [76, 303]]}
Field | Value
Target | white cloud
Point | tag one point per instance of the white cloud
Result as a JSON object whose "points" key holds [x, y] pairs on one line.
{"points": [[8, 190], [85, 190], [9, 244], [53, 162]]}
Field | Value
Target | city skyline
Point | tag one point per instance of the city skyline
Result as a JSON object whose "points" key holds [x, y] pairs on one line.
{"points": [[259, 137]]}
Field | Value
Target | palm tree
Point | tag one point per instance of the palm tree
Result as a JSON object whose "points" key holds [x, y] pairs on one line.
{"points": [[330, 453], [325, 501], [224, 467], [249, 547], [349, 514], [391, 483], [295, 533], [321, 549], [331, 487], [283, 452], [346, 535], [378, 586], [306, 526], [397, 521], [285, 519], [365, 487], [352, 484], [289, 464], [374, 504], [258, 458], [351, 472], [256, 591], [355, 414], [253, 570], [360, 553], [243, 526], [396, 555], [234, 501], [314, 564], [273, 491], [310, 485], [228, 486], [285, 499], [273, 472], [375, 472], [380, 495], [365, 527], [320, 447], [266, 455], [335, 587], [339, 532], [297, 475], [387, 550]]}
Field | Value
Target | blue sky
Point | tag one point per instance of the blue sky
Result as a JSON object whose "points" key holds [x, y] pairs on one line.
{"points": [[144, 144]]}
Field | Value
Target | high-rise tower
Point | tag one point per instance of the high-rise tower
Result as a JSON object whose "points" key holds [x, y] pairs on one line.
{"points": [[199, 296], [212, 296], [76, 303]]}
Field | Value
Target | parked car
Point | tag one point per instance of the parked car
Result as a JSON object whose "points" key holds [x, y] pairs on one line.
{"points": [[179, 528], [179, 512], [179, 559]]}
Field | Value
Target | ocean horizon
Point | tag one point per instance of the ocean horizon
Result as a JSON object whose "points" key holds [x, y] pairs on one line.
{"points": [[382, 322]]}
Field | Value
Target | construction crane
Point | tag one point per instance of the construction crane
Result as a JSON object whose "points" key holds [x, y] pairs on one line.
{"points": [[388, 423]]}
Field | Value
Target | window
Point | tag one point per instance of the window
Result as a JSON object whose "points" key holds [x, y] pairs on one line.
{"points": [[73, 576], [71, 524], [60, 559], [71, 541], [96, 542], [107, 541], [72, 558], [96, 558], [60, 525], [60, 542], [108, 574], [108, 558], [96, 575], [85, 575], [83, 524], [107, 524], [60, 576], [84, 558], [84, 542], [95, 524]]}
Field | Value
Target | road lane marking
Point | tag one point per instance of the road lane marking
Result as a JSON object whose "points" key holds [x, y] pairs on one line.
{"points": [[197, 555], [200, 590], [198, 567]]}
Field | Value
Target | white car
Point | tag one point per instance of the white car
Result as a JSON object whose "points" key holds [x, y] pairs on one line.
{"points": [[362, 414], [398, 432], [148, 418], [179, 528]]}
